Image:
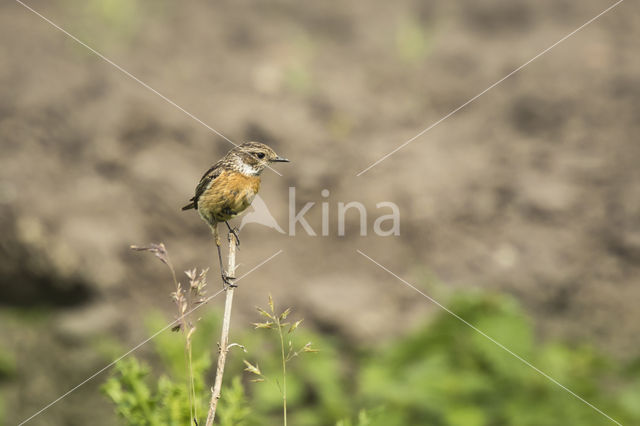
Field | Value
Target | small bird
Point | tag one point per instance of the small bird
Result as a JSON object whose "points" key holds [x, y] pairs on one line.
{"points": [[229, 187]]}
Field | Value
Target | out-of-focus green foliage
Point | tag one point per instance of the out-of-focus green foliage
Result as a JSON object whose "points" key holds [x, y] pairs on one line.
{"points": [[7, 365], [413, 41], [143, 398], [7, 369], [444, 373], [234, 409], [143, 401], [297, 76], [111, 24], [279, 324], [450, 374]]}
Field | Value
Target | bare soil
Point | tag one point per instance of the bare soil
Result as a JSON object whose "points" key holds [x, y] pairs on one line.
{"points": [[532, 189]]}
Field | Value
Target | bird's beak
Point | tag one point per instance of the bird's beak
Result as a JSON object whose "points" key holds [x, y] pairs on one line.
{"points": [[280, 160]]}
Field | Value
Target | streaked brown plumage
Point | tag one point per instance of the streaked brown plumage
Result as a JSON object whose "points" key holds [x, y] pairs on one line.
{"points": [[231, 194], [230, 185]]}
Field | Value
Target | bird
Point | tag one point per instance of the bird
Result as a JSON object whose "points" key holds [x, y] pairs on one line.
{"points": [[229, 187]]}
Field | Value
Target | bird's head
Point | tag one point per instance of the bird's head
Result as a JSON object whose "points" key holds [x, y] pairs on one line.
{"points": [[251, 158]]}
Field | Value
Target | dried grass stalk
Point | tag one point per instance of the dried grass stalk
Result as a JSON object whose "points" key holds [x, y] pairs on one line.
{"points": [[224, 335]]}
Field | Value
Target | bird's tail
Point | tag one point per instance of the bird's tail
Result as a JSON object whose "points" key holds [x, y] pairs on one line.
{"points": [[191, 205]]}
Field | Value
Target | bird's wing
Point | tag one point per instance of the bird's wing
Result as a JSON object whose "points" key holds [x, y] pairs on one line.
{"points": [[206, 179]]}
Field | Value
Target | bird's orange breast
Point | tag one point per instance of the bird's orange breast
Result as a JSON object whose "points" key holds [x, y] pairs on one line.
{"points": [[227, 196]]}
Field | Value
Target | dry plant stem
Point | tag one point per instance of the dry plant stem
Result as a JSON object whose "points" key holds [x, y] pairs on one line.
{"points": [[185, 330], [224, 336]]}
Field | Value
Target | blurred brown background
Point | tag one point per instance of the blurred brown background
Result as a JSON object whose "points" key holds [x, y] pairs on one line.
{"points": [[533, 189]]}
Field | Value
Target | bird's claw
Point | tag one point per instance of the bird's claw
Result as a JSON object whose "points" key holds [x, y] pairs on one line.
{"points": [[234, 231], [227, 282]]}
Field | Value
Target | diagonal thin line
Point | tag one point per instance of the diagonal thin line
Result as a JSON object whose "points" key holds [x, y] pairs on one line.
{"points": [[131, 76], [490, 87], [500, 345], [139, 345]]}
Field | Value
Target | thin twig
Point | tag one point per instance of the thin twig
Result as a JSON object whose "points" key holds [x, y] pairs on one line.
{"points": [[284, 372], [224, 336]]}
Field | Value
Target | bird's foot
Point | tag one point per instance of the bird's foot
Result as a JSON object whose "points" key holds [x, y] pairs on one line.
{"points": [[234, 231], [227, 282]]}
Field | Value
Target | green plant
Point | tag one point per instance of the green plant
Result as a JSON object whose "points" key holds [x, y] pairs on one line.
{"points": [[236, 412], [276, 321], [7, 373], [140, 403], [439, 373], [186, 300], [448, 374], [143, 397], [413, 41]]}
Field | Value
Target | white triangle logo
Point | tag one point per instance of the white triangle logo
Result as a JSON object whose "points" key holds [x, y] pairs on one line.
{"points": [[260, 214]]}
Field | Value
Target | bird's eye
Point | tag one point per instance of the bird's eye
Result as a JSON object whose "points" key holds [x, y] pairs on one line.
{"points": [[260, 155]]}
